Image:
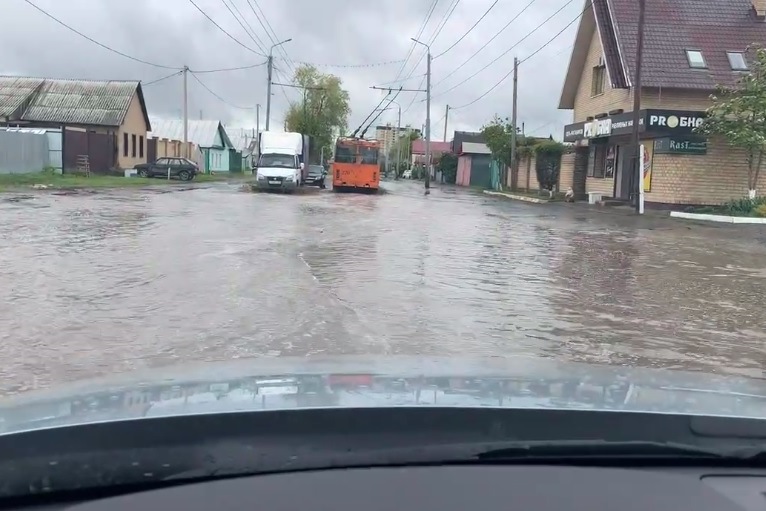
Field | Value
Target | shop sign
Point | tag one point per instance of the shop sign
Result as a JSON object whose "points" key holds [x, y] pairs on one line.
{"points": [[598, 128], [675, 121], [680, 145]]}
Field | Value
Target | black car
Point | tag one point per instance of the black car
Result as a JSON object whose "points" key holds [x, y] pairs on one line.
{"points": [[183, 169], [316, 175]]}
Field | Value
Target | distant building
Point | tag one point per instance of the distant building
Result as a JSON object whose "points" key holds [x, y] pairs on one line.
{"points": [[218, 151], [106, 121]]}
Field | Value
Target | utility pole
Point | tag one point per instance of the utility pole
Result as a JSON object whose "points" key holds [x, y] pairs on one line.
{"points": [[428, 121], [446, 120], [268, 89], [186, 114], [513, 120], [398, 143], [269, 73], [639, 172], [257, 119]]}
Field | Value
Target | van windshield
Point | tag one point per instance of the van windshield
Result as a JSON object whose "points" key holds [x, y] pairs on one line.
{"points": [[283, 161]]}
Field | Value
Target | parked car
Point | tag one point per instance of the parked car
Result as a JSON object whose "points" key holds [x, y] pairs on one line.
{"points": [[407, 174], [316, 176], [180, 168]]}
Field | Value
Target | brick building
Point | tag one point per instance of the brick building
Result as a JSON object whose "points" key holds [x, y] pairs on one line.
{"points": [[690, 46]]}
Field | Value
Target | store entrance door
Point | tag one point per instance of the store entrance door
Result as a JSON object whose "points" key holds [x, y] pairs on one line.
{"points": [[622, 177]]}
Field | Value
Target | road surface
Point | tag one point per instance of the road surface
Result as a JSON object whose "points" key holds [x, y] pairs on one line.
{"points": [[93, 284]]}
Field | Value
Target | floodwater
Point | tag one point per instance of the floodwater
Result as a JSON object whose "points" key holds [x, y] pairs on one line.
{"points": [[95, 284]]}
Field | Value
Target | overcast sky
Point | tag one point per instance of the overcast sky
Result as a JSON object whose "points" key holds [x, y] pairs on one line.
{"points": [[362, 42]]}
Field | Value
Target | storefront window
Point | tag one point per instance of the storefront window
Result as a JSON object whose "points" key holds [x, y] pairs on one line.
{"points": [[597, 160]]}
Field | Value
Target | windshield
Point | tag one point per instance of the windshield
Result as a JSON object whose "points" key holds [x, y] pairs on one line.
{"points": [[285, 161], [500, 214], [345, 154]]}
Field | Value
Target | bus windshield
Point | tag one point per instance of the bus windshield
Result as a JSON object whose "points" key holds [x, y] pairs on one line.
{"points": [[345, 154], [369, 155]]}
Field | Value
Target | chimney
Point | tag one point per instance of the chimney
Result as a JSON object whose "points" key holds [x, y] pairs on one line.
{"points": [[760, 8]]}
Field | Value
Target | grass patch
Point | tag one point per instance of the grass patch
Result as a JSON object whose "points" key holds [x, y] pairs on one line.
{"points": [[72, 181]]}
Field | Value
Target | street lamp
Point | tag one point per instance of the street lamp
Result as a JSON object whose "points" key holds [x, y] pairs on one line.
{"points": [[268, 84], [428, 113]]}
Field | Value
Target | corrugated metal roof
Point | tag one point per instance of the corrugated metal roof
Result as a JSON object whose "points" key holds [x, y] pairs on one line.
{"points": [[14, 90], [93, 102], [201, 132]]}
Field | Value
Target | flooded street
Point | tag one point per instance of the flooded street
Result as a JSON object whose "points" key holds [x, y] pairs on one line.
{"points": [[94, 284]]}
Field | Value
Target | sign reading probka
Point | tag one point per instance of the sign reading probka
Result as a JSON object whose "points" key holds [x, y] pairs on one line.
{"points": [[680, 145]]}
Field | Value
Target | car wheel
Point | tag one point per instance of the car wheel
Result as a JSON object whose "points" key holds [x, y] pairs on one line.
{"points": [[143, 173], [184, 175]]}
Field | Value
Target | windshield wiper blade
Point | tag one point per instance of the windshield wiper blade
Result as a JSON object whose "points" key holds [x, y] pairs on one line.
{"points": [[602, 449]]}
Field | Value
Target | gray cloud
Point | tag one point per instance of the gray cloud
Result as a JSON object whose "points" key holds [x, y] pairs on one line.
{"points": [[328, 33]]}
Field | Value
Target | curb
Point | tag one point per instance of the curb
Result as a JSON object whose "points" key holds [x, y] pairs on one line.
{"points": [[718, 218], [523, 198]]}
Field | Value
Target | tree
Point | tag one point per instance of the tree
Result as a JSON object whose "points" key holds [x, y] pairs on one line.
{"points": [[448, 167], [323, 110], [739, 115], [548, 163], [405, 144], [497, 136]]}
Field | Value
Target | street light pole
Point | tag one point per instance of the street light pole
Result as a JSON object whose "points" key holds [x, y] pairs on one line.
{"points": [[270, 71], [428, 115]]}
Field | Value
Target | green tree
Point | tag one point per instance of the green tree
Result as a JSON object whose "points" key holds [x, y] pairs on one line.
{"points": [[497, 136], [548, 163], [404, 143], [738, 114], [448, 167], [323, 110]]}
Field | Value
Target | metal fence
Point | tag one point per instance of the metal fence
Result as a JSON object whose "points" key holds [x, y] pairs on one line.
{"points": [[24, 151]]}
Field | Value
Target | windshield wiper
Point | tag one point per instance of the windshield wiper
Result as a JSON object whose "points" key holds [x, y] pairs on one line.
{"points": [[590, 449]]}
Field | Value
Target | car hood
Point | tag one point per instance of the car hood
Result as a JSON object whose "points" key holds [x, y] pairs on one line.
{"points": [[280, 383]]}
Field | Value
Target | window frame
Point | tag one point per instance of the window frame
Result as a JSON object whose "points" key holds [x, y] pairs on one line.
{"points": [[740, 54], [125, 145], [140, 146], [688, 52], [598, 88]]}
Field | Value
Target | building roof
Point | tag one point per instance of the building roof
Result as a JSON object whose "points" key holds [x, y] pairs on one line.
{"points": [[85, 102], [672, 27], [419, 147], [474, 148], [200, 132]]}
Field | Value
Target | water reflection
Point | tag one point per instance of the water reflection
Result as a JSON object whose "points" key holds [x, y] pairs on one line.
{"points": [[106, 283]]}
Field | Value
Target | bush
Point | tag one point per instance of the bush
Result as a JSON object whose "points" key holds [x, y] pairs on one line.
{"points": [[548, 163]]}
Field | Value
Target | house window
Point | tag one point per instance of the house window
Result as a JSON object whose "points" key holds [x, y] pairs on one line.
{"points": [[133, 151], [737, 60], [597, 160], [696, 60], [140, 146], [599, 80], [124, 144]]}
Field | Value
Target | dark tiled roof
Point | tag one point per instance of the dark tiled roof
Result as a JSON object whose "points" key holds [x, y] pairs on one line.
{"points": [[608, 34], [673, 26]]}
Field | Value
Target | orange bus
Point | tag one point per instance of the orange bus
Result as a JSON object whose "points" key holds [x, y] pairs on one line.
{"points": [[355, 167]]}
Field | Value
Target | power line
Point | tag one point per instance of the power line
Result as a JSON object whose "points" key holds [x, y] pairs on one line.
{"points": [[469, 59], [469, 30], [118, 52], [222, 100], [371, 64], [275, 39], [473, 75], [534, 53], [392, 82], [223, 30], [242, 22], [434, 35], [224, 69], [412, 46], [144, 84], [436, 32]]}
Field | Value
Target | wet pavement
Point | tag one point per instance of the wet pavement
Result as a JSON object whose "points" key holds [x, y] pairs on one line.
{"points": [[93, 284]]}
